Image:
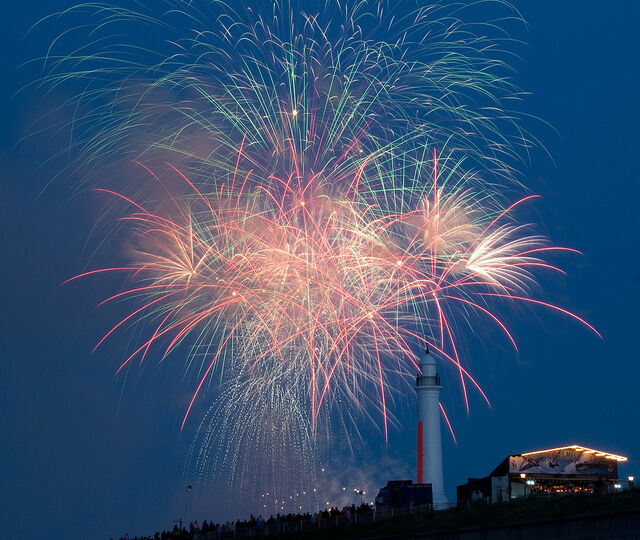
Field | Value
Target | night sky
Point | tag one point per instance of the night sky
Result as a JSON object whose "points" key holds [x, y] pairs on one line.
{"points": [[85, 455]]}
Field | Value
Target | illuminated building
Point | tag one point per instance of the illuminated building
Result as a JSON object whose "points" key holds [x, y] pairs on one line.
{"points": [[565, 469]]}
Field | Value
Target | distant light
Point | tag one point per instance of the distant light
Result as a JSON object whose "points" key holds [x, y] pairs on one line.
{"points": [[631, 478], [617, 486], [301, 203], [530, 482], [523, 475], [294, 112], [399, 263], [234, 293]]}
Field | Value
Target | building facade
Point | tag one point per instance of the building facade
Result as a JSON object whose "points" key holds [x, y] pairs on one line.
{"points": [[403, 496], [565, 469]]}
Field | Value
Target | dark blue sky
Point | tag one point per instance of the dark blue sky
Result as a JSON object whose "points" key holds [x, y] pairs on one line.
{"points": [[84, 459]]}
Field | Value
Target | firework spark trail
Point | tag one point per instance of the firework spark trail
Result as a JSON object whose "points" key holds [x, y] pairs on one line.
{"points": [[311, 92], [326, 288], [339, 199]]}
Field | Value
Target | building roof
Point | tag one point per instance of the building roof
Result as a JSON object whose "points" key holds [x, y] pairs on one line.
{"points": [[581, 449]]}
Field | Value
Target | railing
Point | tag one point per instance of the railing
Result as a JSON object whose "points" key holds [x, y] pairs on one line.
{"points": [[428, 380]]}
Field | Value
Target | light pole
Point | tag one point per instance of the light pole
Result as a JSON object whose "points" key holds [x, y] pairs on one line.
{"points": [[187, 504]]}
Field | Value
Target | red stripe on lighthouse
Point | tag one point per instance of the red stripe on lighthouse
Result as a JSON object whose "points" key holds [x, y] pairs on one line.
{"points": [[420, 452]]}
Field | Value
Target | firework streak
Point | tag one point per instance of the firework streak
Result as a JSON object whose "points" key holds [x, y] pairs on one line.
{"points": [[309, 204]]}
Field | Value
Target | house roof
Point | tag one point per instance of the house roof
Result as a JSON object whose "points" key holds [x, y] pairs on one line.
{"points": [[579, 448]]}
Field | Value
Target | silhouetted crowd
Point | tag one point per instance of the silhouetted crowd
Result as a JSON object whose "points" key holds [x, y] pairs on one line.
{"points": [[258, 526]]}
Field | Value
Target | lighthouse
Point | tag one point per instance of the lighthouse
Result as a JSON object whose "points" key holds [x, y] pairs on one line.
{"points": [[429, 442]]}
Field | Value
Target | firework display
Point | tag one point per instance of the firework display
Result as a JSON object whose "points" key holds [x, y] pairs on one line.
{"points": [[308, 205]]}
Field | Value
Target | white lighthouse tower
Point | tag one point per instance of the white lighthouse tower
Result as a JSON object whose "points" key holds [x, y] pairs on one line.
{"points": [[429, 442]]}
